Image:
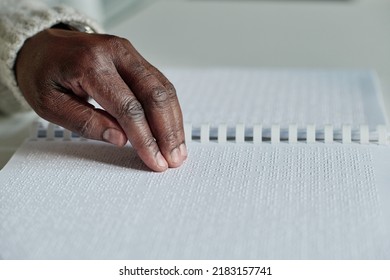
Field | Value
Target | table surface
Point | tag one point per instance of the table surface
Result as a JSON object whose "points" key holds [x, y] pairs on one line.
{"points": [[303, 34]]}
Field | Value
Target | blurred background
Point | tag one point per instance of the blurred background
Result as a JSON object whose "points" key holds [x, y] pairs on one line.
{"points": [[261, 33]]}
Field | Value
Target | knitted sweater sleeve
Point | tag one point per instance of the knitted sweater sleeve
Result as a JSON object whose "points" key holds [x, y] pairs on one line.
{"points": [[19, 20]]}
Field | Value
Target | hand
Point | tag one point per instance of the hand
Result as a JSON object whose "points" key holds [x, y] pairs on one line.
{"points": [[58, 70]]}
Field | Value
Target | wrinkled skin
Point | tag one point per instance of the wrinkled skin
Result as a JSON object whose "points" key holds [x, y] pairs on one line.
{"points": [[58, 70]]}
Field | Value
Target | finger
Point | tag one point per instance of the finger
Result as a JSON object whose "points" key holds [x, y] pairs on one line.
{"points": [[175, 106], [112, 93], [159, 110], [176, 109], [81, 117]]}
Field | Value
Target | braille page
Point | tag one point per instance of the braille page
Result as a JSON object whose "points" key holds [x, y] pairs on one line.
{"points": [[284, 97], [84, 199]]}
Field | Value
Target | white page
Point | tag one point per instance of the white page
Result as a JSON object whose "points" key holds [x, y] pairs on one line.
{"points": [[77, 199], [279, 96], [84, 199]]}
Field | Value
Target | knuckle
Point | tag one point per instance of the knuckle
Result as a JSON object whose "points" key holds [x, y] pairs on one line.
{"points": [[170, 137], [131, 108], [119, 46], [116, 42], [171, 91], [149, 142], [167, 84], [139, 72], [158, 97], [89, 54]]}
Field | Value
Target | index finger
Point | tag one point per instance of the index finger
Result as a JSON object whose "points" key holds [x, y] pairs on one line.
{"points": [[162, 110], [113, 94], [123, 69]]}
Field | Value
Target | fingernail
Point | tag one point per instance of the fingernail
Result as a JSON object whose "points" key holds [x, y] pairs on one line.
{"points": [[113, 136], [176, 155], [183, 150], [161, 161]]}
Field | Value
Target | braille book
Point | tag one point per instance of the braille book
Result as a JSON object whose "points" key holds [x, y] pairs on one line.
{"points": [[283, 164]]}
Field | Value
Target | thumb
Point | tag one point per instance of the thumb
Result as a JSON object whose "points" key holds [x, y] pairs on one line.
{"points": [[84, 119]]}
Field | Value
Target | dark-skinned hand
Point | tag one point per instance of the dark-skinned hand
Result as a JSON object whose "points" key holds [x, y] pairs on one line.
{"points": [[59, 70]]}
